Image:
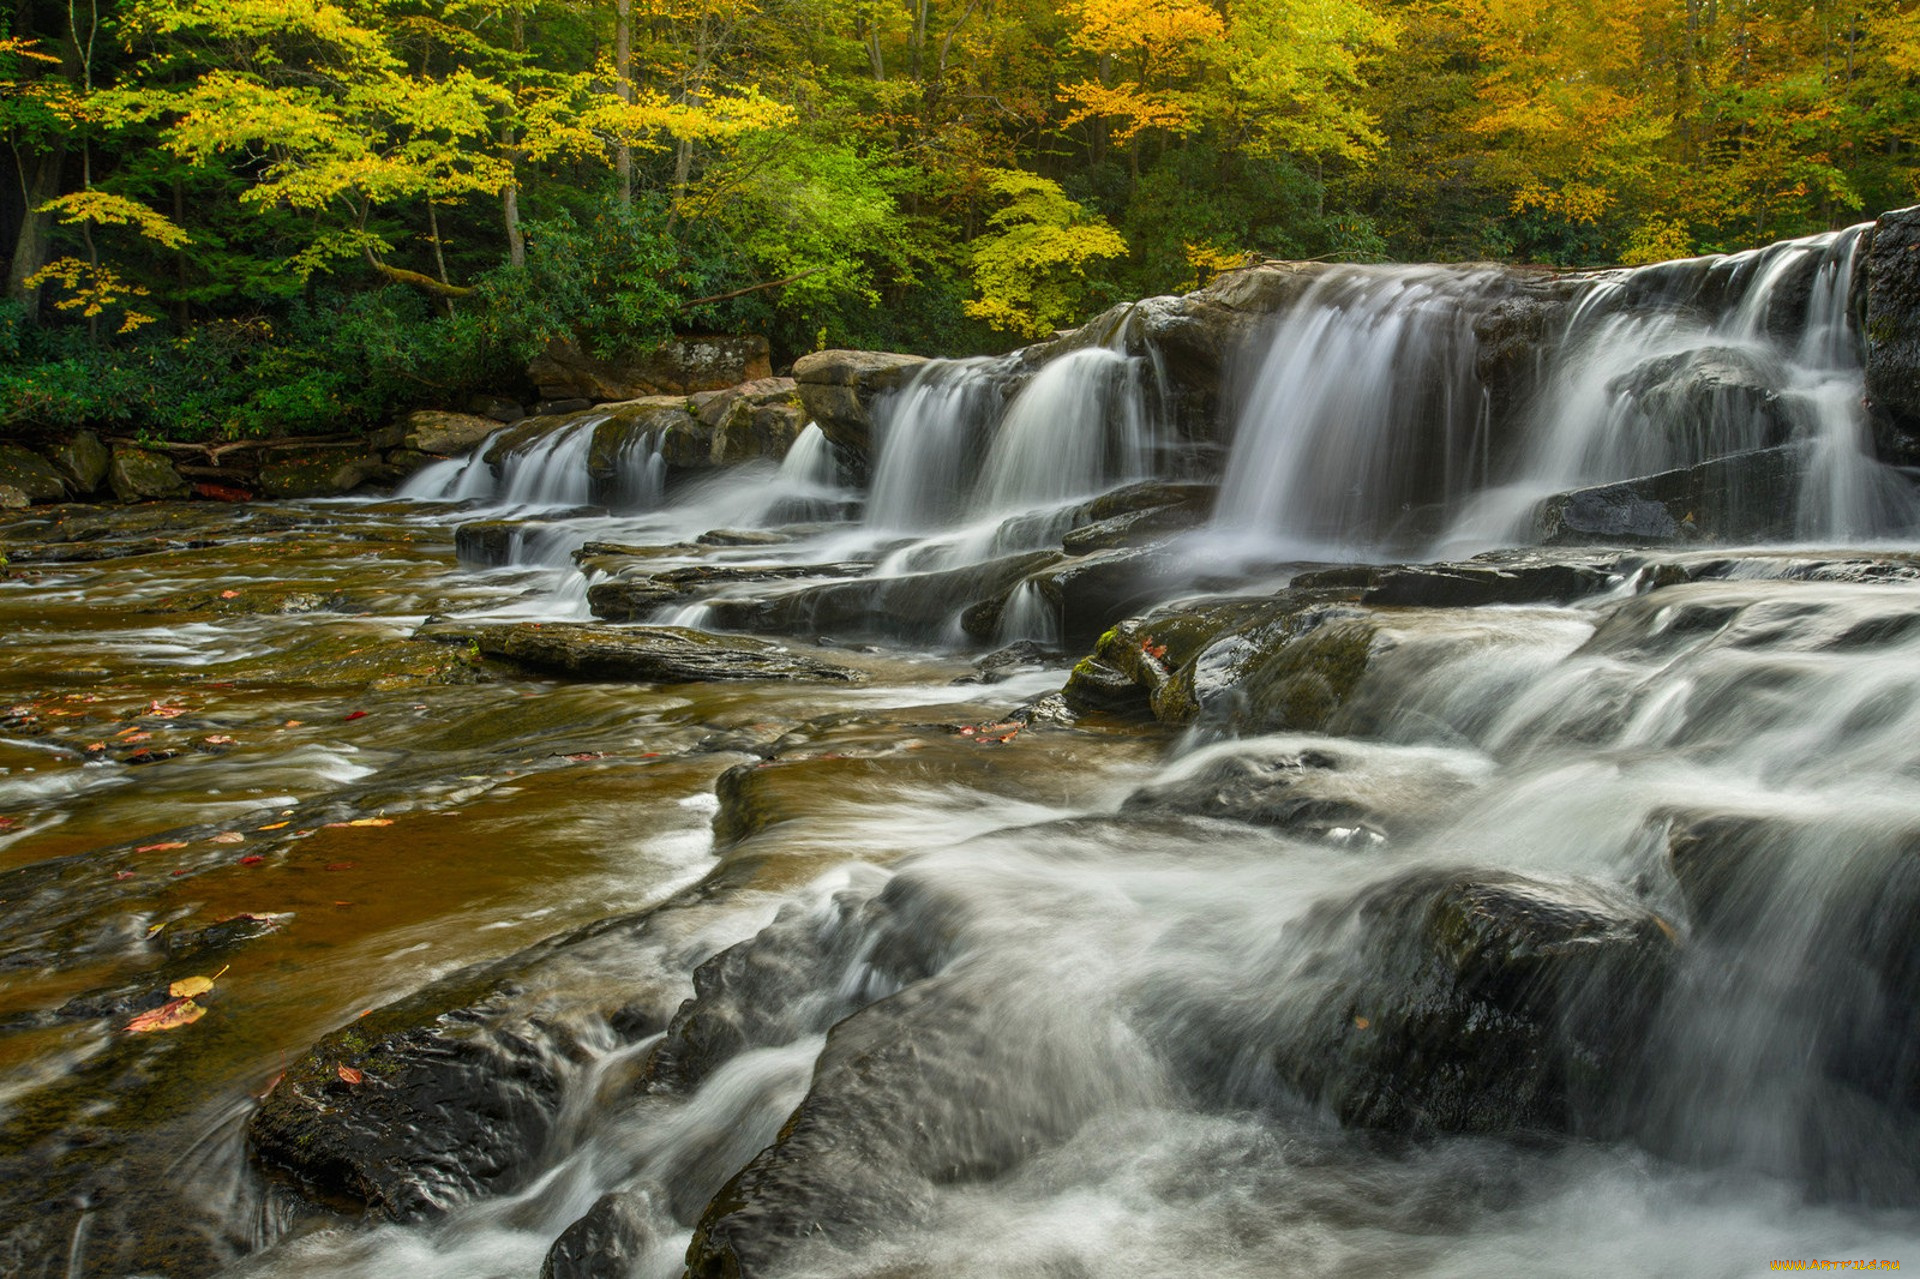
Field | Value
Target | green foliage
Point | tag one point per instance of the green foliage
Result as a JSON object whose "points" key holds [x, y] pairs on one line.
{"points": [[1031, 270]]}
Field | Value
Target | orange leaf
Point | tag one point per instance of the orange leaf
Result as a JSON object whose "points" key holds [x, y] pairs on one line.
{"points": [[161, 848], [168, 1016], [274, 826], [350, 1075], [363, 821]]}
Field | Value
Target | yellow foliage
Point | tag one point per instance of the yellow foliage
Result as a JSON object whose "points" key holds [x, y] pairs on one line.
{"points": [[1657, 240], [91, 291], [1209, 260], [105, 209]]}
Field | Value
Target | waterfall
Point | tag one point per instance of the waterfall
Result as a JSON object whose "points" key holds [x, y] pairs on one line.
{"points": [[552, 471], [1370, 421], [979, 475], [1366, 405]]}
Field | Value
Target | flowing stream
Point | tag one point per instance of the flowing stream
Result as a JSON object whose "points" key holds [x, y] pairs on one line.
{"points": [[987, 988]]}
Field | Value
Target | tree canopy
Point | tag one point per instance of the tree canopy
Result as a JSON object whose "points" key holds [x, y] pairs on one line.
{"points": [[234, 216]]}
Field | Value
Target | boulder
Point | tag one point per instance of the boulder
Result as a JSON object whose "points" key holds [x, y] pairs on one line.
{"points": [[609, 1242], [138, 475], [922, 605], [1742, 497], [497, 407], [677, 366], [12, 499], [25, 470], [1473, 1002], [445, 434], [655, 654], [633, 599], [1320, 789], [321, 472], [1497, 578], [838, 390], [441, 1097], [1714, 400], [1892, 326], [84, 460]]}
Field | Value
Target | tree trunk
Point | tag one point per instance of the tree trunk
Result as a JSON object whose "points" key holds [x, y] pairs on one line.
{"points": [[623, 77], [39, 182], [510, 196]]}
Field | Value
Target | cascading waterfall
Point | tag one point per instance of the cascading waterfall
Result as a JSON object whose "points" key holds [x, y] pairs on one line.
{"points": [[1084, 423], [1368, 424], [1366, 406]]}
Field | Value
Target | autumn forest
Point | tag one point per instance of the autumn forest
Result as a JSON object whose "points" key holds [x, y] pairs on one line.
{"points": [[248, 217]]}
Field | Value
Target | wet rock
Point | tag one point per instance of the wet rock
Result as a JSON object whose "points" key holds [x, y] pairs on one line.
{"points": [[638, 598], [1197, 335], [680, 365], [445, 434], [607, 1243], [838, 389], [1892, 329], [1321, 789], [778, 985], [562, 407], [488, 542], [1478, 1002], [84, 460], [654, 654], [941, 1084], [1132, 529], [1092, 592], [320, 473], [138, 476], [913, 604], [1496, 580], [1287, 662], [441, 1097], [741, 537], [1713, 400], [12, 499], [1743, 496]]}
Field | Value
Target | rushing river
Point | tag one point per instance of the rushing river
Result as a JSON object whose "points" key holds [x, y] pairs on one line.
{"points": [[987, 988]]}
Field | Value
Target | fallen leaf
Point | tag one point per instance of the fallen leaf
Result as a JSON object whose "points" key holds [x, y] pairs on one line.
{"points": [[350, 1075], [229, 595], [123, 874], [218, 739], [162, 711], [228, 837], [188, 987], [362, 821], [357, 715], [273, 826], [169, 846], [176, 874], [252, 859], [131, 738], [292, 723], [1362, 1022], [586, 757], [168, 1016]]}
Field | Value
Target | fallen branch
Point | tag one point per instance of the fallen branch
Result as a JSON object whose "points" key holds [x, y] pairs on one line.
{"points": [[751, 288], [400, 275]]}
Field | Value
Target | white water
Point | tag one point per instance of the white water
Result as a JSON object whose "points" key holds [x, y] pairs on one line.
{"points": [[1368, 410]]}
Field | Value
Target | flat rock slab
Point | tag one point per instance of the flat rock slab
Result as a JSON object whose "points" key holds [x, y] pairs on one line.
{"points": [[655, 654]]}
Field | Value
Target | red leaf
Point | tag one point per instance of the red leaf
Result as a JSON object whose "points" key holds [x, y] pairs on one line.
{"points": [[357, 715], [252, 859], [168, 1016], [123, 874], [350, 1075]]}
